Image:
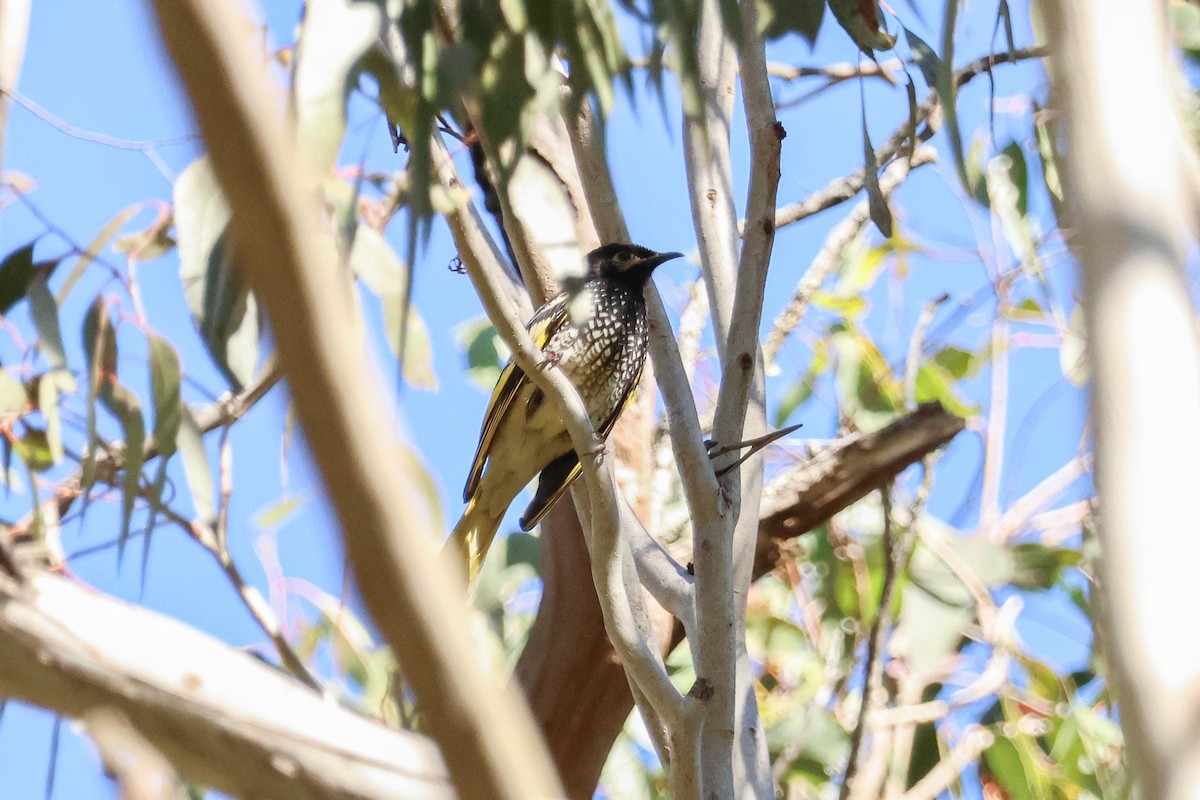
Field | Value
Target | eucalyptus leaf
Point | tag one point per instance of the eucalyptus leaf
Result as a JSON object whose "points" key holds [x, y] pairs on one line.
{"points": [[16, 273], [165, 378], [877, 204], [45, 320], [862, 20], [97, 246], [13, 397], [223, 309], [196, 468], [777, 18], [48, 405], [333, 38]]}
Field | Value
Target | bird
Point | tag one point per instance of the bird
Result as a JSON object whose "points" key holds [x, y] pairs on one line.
{"points": [[597, 332]]}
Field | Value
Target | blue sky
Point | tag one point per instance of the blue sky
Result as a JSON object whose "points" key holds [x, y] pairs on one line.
{"points": [[100, 68]]}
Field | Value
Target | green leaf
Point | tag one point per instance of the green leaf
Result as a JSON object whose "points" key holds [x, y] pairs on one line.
{"points": [[1018, 175], [149, 244], [16, 273], [926, 60], [1036, 566], [948, 90], [385, 275], [1006, 764], [1027, 310], [48, 405], [223, 309], [45, 320], [34, 449], [333, 38], [486, 354], [13, 397], [1008, 188], [958, 363], [868, 393], [279, 512], [523, 548], [1045, 128], [96, 247], [845, 306], [934, 384], [100, 347], [862, 20], [793, 397], [777, 18], [196, 468], [976, 173], [881, 215], [124, 405], [168, 404]]}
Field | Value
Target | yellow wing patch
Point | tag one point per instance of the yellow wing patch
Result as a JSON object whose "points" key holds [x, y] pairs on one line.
{"points": [[542, 327]]}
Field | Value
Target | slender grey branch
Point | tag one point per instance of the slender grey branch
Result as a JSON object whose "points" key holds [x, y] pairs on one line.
{"points": [[587, 142], [709, 171], [642, 663], [662, 576], [837, 73], [714, 216], [974, 741], [912, 361], [699, 481]]}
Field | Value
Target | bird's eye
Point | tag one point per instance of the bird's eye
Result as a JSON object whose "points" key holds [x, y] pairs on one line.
{"points": [[624, 257]]}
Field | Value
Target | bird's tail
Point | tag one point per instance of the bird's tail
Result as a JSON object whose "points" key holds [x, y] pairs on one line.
{"points": [[472, 537]]}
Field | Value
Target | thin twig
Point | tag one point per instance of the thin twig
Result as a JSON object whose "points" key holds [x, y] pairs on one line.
{"points": [[836, 242], [975, 740], [837, 73], [928, 114], [90, 136], [912, 362], [259, 609], [225, 471], [895, 554]]}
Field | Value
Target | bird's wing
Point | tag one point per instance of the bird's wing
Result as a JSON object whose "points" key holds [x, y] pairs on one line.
{"points": [[559, 474], [545, 323]]}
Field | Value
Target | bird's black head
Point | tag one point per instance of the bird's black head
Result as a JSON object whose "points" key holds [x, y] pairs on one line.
{"points": [[627, 262]]}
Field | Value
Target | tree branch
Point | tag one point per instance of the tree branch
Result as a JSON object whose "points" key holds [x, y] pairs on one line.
{"points": [[607, 545], [811, 492], [222, 718], [1132, 203], [276, 231]]}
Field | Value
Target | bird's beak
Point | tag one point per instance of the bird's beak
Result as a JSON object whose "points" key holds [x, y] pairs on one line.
{"points": [[658, 258]]}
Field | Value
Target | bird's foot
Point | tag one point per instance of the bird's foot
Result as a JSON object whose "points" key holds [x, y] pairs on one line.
{"points": [[599, 452], [552, 359]]}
